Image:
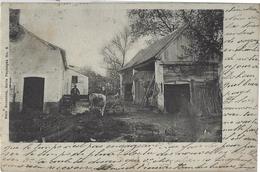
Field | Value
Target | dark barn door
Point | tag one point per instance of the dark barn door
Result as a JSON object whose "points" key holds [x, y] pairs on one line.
{"points": [[33, 93], [176, 97], [128, 92]]}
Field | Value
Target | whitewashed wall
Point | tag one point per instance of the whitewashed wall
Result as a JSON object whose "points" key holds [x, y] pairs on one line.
{"points": [[32, 57], [82, 84], [160, 83]]}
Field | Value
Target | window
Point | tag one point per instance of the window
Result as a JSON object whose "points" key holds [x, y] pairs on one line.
{"points": [[74, 79]]}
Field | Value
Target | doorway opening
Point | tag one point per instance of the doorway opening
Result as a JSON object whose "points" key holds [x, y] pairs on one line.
{"points": [[128, 92], [176, 97], [33, 93]]}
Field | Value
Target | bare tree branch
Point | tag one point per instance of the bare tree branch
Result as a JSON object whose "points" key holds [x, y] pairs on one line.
{"points": [[115, 51]]}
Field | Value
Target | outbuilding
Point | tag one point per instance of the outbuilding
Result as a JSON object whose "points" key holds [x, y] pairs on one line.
{"points": [[164, 76], [39, 73]]}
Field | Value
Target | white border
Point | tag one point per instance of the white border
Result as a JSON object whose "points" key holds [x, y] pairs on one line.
{"points": [[127, 1]]}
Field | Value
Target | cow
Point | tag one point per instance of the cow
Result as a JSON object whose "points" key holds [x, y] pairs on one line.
{"points": [[98, 101]]}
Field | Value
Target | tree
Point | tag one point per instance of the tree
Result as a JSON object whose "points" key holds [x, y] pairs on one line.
{"points": [[96, 81], [206, 28], [205, 33], [114, 55], [114, 52], [144, 22]]}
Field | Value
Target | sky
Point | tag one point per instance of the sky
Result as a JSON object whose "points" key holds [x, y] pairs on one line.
{"points": [[80, 32]]}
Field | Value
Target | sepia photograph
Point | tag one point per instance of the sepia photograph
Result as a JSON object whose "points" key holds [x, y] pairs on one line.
{"points": [[115, 75]]}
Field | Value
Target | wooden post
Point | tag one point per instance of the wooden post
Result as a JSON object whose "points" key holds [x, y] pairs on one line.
{"points": [[133, 87], [191, 90], [121, 86], [158, 71]]}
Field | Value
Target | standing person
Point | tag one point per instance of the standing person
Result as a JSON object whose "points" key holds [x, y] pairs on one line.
{"points": [[74, 95]]}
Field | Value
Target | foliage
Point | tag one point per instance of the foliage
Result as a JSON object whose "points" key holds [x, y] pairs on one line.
{"points": [[144, 22], [96, 81], [206, 28], [206, 33]]}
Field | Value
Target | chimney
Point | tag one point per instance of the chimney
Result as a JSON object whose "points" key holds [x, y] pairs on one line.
{"points": [[14, 27]]}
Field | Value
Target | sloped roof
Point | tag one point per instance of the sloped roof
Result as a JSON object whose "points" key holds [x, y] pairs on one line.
{"points": [[76, 69], [151, 51], [54, 47]]}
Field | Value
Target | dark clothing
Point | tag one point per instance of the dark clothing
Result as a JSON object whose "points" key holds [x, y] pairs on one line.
{"points": [[74, 91], [74, 95]]}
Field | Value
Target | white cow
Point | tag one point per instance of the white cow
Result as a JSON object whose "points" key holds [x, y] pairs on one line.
{"points": [[98, 101]]}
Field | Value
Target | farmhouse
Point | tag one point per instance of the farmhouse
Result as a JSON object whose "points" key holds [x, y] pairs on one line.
{"points": [[165, 76], [39, 73]]}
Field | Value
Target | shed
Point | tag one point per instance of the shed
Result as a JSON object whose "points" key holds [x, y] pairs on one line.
{"points": [[163, 75]]}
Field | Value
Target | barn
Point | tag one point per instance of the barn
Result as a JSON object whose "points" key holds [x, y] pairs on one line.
{"points": [[39, 73], [164, 76]]}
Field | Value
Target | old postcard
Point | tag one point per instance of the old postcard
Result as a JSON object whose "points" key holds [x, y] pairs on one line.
{"points": [[133, 86]]}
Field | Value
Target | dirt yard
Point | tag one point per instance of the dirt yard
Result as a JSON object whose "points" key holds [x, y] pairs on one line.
{"points": [[155, 126], [123, 123]]}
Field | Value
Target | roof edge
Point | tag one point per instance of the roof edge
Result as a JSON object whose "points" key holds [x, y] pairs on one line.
{"points": [[48, 44], [180, 30], [71, 68]]}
